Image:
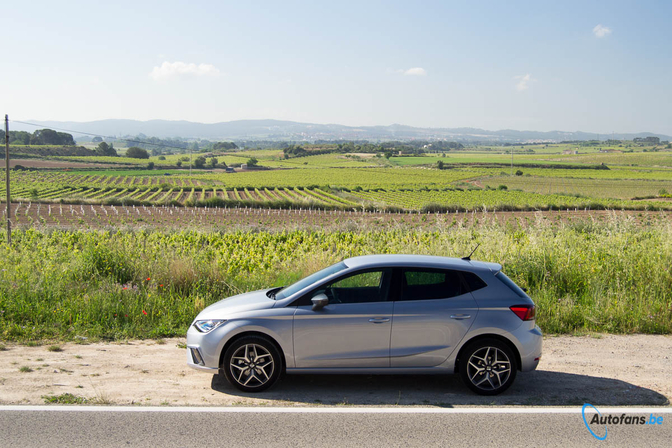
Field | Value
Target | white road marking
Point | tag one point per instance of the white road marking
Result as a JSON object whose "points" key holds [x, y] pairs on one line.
{"points": [[341, 410]]}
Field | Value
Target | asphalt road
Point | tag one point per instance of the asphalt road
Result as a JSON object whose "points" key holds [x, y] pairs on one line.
{"points": [[317, 427]]}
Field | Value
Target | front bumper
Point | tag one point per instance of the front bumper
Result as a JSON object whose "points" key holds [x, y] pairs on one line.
{"points": [[195, 360], [206, 346]]}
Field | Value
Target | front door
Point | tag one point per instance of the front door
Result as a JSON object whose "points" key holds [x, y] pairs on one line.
{"points": [[353, 330]]}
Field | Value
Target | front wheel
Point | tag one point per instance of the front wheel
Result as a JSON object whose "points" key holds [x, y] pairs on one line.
{"points": [[252, 364], [488, 367]]}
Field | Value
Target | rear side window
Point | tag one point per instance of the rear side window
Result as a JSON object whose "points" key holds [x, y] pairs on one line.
{"points": [[508, 282], [430, 284]]}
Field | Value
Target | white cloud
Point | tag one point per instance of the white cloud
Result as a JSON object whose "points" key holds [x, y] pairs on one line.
{"points": [[174, 69], [415, 71], [601, 31], [523, 81]]}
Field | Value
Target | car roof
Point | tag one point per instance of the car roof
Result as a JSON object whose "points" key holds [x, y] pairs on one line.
{"points": [[420, 261]]}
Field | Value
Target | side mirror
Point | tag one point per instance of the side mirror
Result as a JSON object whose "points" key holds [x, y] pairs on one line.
{"points": [[319, 302]]}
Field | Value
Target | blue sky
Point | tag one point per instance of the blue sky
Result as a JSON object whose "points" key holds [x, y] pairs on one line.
{"points": [[591, 66]]}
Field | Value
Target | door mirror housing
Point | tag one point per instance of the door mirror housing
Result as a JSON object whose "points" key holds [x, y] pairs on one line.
{"points": [[319, 302]]}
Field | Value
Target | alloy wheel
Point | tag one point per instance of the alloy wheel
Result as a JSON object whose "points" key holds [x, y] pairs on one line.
{"points": [[489, 368], [252, 365]]}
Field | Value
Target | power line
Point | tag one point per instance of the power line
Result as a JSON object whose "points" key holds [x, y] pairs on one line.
{"points": [[161, 145]]}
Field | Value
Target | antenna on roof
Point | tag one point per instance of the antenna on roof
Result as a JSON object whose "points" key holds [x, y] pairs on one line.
{"points": [[468, 257]]}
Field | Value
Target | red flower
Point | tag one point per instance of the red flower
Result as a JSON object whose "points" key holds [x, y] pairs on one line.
{"points": [[125, 315], [124, 287], [161, 286], [144, 312], [148, 278]]}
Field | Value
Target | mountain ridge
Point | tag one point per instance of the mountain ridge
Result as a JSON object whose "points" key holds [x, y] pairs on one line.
{"points": [[271, 129]]}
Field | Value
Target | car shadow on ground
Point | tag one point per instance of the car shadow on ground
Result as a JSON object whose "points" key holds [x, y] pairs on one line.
{"points": [[535, 388]]}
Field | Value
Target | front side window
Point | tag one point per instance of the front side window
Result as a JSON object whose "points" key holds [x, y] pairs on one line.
{"points": [[361, 287], [431, 284], [313, 278]]}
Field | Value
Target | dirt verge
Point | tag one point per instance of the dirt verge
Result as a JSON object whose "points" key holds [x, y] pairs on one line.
{"points": [[601, 370]]}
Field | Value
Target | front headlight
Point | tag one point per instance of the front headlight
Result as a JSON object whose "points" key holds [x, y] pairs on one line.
{"points": [[206, 326]]}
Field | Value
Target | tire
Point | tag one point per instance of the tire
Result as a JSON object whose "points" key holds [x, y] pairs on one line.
{"points": [[252, 364], [488, 366]]}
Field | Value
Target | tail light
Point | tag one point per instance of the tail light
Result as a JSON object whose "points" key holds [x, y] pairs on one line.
{"points": [[525, 312]]}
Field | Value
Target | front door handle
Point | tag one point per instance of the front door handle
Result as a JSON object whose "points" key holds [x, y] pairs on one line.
{"points": [[379, 320], [460, 316]]}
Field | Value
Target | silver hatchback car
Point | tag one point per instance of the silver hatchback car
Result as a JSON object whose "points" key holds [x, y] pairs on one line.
{"points": [[375, 314]]}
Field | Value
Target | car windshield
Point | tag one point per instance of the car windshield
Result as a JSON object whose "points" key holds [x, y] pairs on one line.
{"points": [[313, 278]]}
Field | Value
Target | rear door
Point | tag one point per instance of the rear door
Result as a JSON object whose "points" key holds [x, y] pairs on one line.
{"points": [[353, 330], [432, 312]]}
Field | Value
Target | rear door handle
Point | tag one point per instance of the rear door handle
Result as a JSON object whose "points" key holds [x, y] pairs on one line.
{"points": [[379, 320], [460, 316]]}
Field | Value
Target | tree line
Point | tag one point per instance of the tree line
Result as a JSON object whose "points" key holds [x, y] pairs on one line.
{"points": [[160, 146], [39, 137], [388, 148]]}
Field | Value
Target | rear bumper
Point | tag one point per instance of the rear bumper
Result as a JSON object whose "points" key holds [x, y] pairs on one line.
{"points": [[530, 341]]}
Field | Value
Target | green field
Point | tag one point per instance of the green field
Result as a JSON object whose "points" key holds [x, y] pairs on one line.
{"points": [[471, 179], [583, 276]]}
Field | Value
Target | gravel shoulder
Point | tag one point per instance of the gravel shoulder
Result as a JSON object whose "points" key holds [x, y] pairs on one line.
{"points": [[602, 370]]}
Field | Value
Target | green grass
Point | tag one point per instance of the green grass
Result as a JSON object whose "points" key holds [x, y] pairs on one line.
{"points": [[60, 285], [594, 188], [66, 398], [440, 200]]}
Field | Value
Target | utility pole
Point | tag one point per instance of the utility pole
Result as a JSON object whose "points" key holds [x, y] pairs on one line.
{"points": [[9, 224], [189, 160], [511, 160]]}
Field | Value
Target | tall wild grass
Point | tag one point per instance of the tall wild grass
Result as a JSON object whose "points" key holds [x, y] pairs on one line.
{"points": [[584, 276]]}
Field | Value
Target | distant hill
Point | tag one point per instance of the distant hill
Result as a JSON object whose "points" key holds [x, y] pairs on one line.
{"points": [[291, 130]]}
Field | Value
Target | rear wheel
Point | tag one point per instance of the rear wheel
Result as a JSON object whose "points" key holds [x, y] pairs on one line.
{"points": [[488, 367], [252, 364]]}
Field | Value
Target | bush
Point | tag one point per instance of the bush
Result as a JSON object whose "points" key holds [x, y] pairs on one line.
{"points": [[199, 162], [519, 173], [137, 153]]}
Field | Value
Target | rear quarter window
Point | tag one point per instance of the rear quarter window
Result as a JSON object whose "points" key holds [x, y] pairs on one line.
{"points": [[473, 281], [508, 282]]}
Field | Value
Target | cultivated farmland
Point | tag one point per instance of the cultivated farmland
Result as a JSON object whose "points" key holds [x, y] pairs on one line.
{"points": [[125, 252]]}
